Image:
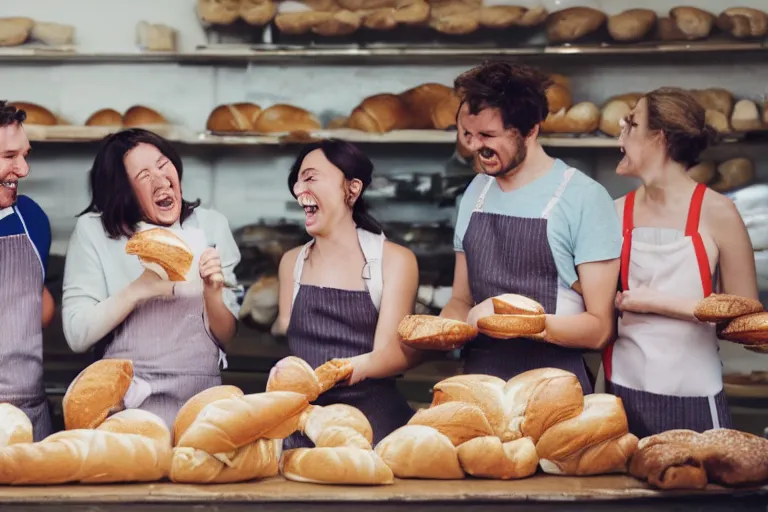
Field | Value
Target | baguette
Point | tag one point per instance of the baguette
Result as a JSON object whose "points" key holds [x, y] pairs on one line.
{"points": [[191, 409], [15, 426], [458, 421], [723, 307], [321, 424], [96, 392], [231, 423], [342, 465], [136, 421], [416, 451], [429, 332], [294, 374], [488, 457], [511, 326], [256, 460]]}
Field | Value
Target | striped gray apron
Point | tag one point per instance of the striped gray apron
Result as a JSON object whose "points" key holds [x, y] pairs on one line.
{"points": [[512, 255], [21, 336]]}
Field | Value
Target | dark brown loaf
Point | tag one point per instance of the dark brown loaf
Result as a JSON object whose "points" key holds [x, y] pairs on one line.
{"points": [[694, 23], [720, 307], [743, 22], [735, 458], [573, 23], [748, 330], [631, 25]]}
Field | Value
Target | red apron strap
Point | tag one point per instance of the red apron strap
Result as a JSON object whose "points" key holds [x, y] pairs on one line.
{"points": [[692, 230], [626, 249]]}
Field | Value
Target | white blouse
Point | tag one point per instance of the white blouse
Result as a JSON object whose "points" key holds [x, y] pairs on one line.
{"points": [[97, 267]]}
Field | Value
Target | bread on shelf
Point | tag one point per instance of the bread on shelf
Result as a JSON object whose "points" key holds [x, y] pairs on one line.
{"points": [[105, 117], [615, 110], [156, 37], [732, 174], [571, 24], [257, 12], [428, 332], [15, 426], [746, 116], [458, 421], [15, 31], [218, 12], [581, 118], [631, 25], [488, 457], [139, 115], [53, 34], [36, 114], [417, 451], [720, 307], [743, 22], [686, 24], [96, 392]]}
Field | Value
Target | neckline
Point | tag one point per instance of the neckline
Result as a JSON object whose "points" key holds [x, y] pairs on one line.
{"points": [[540, 179]]}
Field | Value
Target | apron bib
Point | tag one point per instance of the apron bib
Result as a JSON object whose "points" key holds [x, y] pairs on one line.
{"points": [[512, 255], [21, 338], [666, 371]]}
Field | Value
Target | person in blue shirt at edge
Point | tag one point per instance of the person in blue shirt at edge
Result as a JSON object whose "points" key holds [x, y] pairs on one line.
{"points": [[26, 305], [529, 224]]}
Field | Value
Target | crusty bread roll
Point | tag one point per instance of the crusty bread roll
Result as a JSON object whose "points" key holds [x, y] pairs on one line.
{"points": [[379, 114], [692, 22], [484, 391], [511, 326], [488, 457], [336, 425], [514, 304], [735, 458], [15, 31], [136, 421], [615, 110], [259, 459], [631, 25], [162, 252], [743, 22], [15, 426], [748, 329], [218, 12], [225, 425], [105, 117], [746, 116], [733, 173], [458, 421], [428, 332], [573, 23], [597, 441], [717, 99], [583, 117], [36, 114], [294, 374], [235, 117], [416, 451], [86, 456], [142, 116], [342, 465], [332, 372], [670, 460], [539, 399], [96, 392], [720, 307], [286, 118], [190, 410]]}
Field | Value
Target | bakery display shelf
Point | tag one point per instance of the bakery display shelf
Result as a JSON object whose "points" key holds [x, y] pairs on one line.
{"points": [[223, 53]]}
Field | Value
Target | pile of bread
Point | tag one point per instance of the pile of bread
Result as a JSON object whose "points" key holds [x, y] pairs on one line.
{"points": [[724, 176], [17, 31], [135, 116], [565, 116], [738, 319]]}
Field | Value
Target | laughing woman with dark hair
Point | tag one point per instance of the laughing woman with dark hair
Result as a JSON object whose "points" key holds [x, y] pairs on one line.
{"points": [[174, 334], [344, 293]]}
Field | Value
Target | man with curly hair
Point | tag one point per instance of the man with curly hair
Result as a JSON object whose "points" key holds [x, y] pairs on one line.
{"points": [[26, 306], [531, 225]]}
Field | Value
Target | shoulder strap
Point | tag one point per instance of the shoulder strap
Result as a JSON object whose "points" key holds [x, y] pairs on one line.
{"points": [[567, 175], [29, 237], [298, 268], [481, 198], [692, 230], [372, 246], [626, 247]]}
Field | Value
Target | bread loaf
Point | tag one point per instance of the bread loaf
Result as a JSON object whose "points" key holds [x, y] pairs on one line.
{"points": [[96, 392], [735, 458], [692, 22], [15, 427], [583, 117], [54, 34], [257, 12], [488, 457], [748, 329], [703, 172], [259, 459], [105, 117], [559, 97], [631, 25], [162, 252], [670, 460], [330, 426], [732, 174], [218, 12], [573, 23], [483, 391], [511, 326], [86, 456], [455, 18], [595, 442], [294, 374], [743, 22], [513, 304], [235, 117], [343, 465], [332, 372], [720, 100], [416, 451], [136, 421], [15, 31], [458, 421], [225, 425], [615, 110], [718, 121], [36, 114], [155, 37], [429, 332], [720, 307], [540, 399], [286, 118], [192, 408], [746, 116], [138, 116]]}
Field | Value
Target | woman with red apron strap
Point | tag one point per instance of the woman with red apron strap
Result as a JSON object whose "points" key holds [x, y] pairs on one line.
{"points": [[25, 239], [664, 363], [343, 294], [529, 224], [174, 333]]}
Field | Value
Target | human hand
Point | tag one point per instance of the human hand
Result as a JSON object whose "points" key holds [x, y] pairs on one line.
{"points": [[210, 269], [359, 369], [637, 300], [150, 285], [481, 310]]}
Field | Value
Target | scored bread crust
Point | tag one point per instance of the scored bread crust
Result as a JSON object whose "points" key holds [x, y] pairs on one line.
{"points": [[149, 246], [434, 333], [511, 326], [513, 304], [96, 391], [748, 330], [340, 465], [720, 307], [459, 421]]}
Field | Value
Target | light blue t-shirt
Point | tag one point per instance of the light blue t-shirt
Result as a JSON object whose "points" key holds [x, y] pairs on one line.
{"points": [[583, 226]]}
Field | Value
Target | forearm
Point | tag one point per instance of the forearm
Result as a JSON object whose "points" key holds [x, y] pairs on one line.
{"points": [[456, 309], [584, 330], [391, 361], [221, 321], [85, 323], [680, 308]]}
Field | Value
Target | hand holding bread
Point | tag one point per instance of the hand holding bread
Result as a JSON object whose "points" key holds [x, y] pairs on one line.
{"points": [[514, 316], [427, 332]]}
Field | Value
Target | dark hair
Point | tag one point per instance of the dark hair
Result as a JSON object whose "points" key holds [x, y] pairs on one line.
{"points": [[353, 163], [111, 192], [683, 121], [10, 115], [518, 91]]}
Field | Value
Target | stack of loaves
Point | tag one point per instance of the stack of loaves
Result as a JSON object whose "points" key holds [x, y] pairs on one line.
{"points": [[565, 117], [128, 446], [739, 320], [484, 427], [751, 203]]}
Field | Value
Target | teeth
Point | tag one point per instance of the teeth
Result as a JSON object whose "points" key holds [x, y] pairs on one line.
{"points": [[307, 200], [9, 184]]}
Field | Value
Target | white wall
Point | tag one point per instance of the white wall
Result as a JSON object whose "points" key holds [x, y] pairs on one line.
{"points": [[247, 184]]}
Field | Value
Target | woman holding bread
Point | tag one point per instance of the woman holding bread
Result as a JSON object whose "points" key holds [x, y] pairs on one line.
{"points": [[677, 235], [344, 293], [172, 327]]}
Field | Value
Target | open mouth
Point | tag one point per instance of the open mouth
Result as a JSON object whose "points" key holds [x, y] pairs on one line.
{"points": [[165, 201], [309, 204], [10, 185], [488, 157]]}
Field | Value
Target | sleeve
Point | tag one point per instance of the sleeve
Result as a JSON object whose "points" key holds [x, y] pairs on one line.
{"points": [[464, 212], [229, 253], [597, 234]]}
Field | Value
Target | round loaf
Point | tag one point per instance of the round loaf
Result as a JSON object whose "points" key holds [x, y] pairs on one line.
{"points": [[733, 173], [458, 421], [15, 426], [583, 117], [96, 392], [631, 25], [218, 12], [743, 22], [416, 451], [747, 330], [746, 116], [428, 332], [694, 23], [105, 117], [142, 116], [615, 110], [189, 411], [15, 31], [720, 307], [511, 326], [717, 99], [36, 114], [286, 118], [718, 121], [257, 12], [236, 117]]}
